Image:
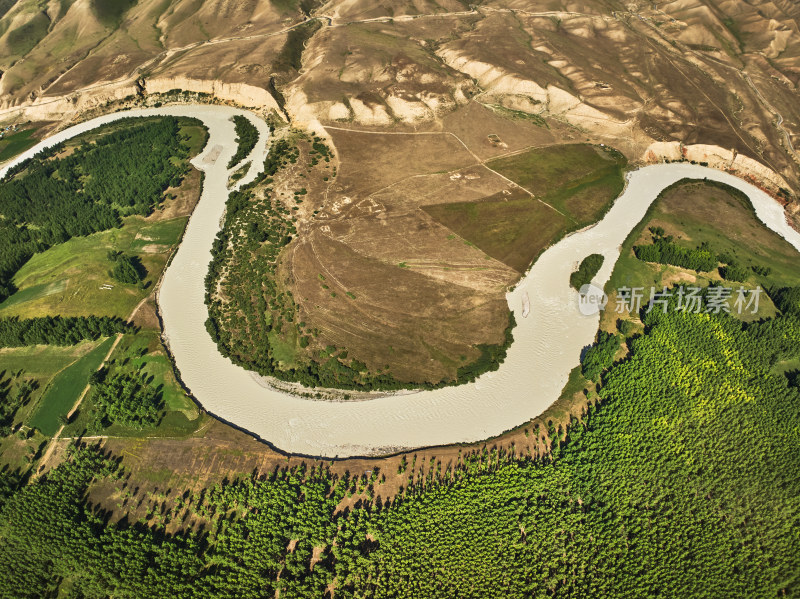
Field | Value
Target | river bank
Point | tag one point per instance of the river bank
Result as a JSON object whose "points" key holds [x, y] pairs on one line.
{"points": [[547, 343]]}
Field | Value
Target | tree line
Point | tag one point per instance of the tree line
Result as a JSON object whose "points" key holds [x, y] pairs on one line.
{"points": [[15, 391], [665, 251], [246, 139], [600, 355], [59, 330]]}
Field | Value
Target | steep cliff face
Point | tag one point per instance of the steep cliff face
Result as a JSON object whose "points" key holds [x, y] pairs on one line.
{"points": [[719, 158], [60, 107], [238, 93]]}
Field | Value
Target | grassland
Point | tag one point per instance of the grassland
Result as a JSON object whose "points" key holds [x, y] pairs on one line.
{"points": [[512, 229], [40, 363], [23, 39], [16, 143], [579, 180], [110, 12], [65, 389], [701, 212], [71, 279], [451, 230], [572, 186], [196, 136], [142, 355]]}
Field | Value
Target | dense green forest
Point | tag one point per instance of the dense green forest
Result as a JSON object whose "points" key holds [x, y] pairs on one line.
{"points": [[246, 139], [60, 194], [126, 269], [57, 330], [587, 270], [124, 399], [256, 309], [787, 299], [732, 272], [680, 481], [600, 355]]}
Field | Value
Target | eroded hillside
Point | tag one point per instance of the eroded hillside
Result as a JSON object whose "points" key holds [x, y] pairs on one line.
{"points": [[720, 73]]}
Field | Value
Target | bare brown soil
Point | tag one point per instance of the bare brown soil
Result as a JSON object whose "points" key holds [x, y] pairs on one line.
{"points": [[180, 200], [147, 315], [400, 317], [405, 259], [377, 276]]}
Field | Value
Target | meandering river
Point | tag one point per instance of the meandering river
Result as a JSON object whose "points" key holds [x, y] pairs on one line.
{"points": [[547, 343]]}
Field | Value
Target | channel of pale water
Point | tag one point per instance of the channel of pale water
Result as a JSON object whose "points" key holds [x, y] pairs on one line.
{"points": [[547, 343]]}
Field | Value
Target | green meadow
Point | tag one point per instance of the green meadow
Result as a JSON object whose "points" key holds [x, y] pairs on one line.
{"points": [[65, 389], [72, 278]]}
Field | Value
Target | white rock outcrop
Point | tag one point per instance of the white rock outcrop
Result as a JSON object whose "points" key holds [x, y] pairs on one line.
{"points": [[716, 157]]}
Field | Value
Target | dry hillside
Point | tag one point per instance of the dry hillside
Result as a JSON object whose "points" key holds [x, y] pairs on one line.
{"points": [[716, 72]]}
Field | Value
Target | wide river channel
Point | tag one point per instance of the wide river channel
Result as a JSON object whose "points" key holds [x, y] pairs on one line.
{"points": [[547, 343]]}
